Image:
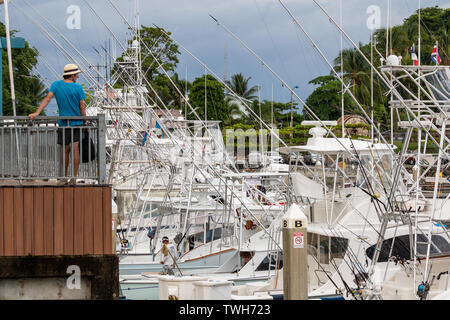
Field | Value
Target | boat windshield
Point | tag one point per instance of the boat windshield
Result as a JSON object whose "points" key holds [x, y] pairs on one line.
{"points": [[401, 247]]}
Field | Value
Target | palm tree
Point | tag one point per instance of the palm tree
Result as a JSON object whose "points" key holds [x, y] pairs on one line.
{"points": [[183, 86], [357, 73], [235, 109], [240, 87], [36, 90], [30, 94]]}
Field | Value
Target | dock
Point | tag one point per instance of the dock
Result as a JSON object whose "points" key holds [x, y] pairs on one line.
{"points": [[56, 241]]}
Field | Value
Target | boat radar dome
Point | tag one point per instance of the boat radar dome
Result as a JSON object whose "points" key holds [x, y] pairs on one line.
{"points": [[393, 60], [135, 44], [318, 131]]}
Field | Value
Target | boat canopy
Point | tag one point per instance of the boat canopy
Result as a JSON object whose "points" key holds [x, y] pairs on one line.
{"points": [[339, 145]]}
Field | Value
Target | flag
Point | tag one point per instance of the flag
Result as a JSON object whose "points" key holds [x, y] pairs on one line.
{"points": [[414, 56], [435, 55]]}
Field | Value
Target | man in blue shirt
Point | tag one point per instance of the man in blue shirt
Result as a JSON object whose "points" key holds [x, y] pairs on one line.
{"points": [[70, 99]]}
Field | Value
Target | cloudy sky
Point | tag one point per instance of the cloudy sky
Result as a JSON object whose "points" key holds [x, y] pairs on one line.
{"points": [[263, 25]]}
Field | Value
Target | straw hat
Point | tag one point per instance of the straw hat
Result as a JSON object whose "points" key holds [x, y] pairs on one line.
{"points": [[70, 69]]}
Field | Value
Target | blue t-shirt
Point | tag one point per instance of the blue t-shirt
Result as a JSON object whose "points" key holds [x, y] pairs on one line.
{"points": [[68, 96]]}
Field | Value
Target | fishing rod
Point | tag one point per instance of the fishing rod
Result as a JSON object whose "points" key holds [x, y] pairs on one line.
{"points": [[68, 42], [376, 71], [149, 51], [389, 197], [285, 84], [281, 80], [347, 287], [175, 86], [242, 100], [305, 105], [90, 77], [232, 191], [362, 275], [315, 46], [63, 37], [62, 48], [326, 274], [363, 242], [354, 257], [54, 41], [351, 255], [365, 177], [160, 66], [351, 268]]}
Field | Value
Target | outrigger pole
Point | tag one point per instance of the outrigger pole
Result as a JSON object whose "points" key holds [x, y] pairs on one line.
{"points": [[11, 77], [8, 48]]}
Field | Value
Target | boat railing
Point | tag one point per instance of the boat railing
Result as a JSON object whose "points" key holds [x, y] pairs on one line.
{"points": [[29, 149]]}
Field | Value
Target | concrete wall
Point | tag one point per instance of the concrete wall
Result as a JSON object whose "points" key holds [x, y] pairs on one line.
{"points": [[59, 277]]}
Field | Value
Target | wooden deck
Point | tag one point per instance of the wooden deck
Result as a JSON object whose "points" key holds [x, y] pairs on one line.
{"points": [[40, 218]]}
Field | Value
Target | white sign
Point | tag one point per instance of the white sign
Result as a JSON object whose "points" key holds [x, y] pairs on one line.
{"points": [[294, 223], [298, 240]]}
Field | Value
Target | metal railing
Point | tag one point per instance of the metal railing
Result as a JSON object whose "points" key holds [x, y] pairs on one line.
{"points": [[29, 149]]}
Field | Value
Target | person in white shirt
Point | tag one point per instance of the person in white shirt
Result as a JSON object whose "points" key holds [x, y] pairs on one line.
{"points": [[167, 256]]}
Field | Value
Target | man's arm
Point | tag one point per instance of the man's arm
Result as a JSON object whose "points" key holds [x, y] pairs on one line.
{"points": [[83, 108], [44, 103]]}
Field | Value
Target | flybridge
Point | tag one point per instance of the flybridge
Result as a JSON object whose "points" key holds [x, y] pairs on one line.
{"points": [[318, 143]]}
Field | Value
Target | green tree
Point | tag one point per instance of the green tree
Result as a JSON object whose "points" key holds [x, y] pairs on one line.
{"points": [[356, 74], [434, 27], [217, 108], [170, 95], [271, 110], [29, 89], [325, 100], [157, 52], [239, 84], [183, 86], [236, 109], [240, 87], [34, 93], [356, 70]]}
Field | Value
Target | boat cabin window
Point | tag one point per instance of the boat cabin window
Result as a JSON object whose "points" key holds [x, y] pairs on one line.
{"points": [[211, 234], [401, 247], [246, 256], [326, 248]]}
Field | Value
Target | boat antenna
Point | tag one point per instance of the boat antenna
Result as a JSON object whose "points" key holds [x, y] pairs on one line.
{"points": [[384, 80], [283, 83]]}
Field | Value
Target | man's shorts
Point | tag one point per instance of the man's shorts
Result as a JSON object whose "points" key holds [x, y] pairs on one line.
{"points": [[72, 134]]}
